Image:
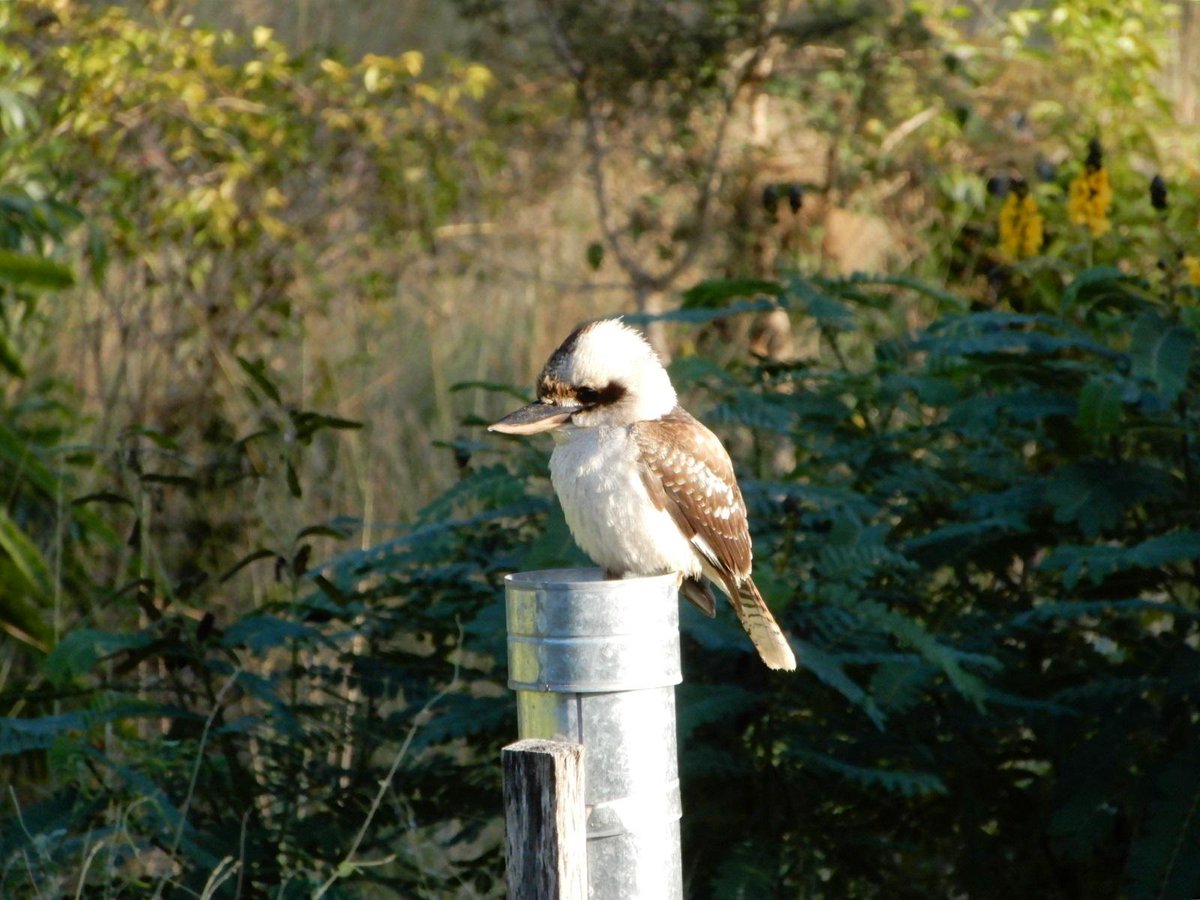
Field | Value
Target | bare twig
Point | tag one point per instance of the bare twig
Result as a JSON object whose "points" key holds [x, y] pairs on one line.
{"points": [[595, 140], [187, 800], [24, 855], [222, 873], [348, 863], [87, 865], [242, 853], [597, 146]]}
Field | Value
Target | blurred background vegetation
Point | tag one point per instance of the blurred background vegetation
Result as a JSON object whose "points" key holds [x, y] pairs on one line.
{"points": [[932, 270]]}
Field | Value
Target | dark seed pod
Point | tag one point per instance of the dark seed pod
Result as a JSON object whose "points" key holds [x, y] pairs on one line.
{"points": [[998, 185], [1095, 157], [1158, 193], [205, 626], [770, 198], [795, 197], [462, 457]]}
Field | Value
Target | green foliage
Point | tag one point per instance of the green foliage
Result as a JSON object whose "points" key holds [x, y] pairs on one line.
{"points": [[34, 417], [985, 550], [258, 743], [992, 591], [999, 516]]}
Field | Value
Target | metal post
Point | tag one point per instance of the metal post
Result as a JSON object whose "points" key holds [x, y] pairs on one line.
{"points": [[596, 662]]}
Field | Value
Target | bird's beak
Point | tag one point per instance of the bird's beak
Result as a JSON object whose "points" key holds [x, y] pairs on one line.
{"points": [[534, 418]]}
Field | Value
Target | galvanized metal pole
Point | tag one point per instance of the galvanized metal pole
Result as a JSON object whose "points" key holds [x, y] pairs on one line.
{"points": [[596, 662]]}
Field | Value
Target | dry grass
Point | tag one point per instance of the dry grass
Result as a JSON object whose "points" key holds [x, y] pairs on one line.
{"points": [[486, 305]]}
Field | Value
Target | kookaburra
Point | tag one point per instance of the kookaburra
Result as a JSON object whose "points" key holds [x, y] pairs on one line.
{"points": [[645, 488]]}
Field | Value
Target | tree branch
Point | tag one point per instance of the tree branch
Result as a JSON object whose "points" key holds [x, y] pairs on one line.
{"points": [[598, 151]]}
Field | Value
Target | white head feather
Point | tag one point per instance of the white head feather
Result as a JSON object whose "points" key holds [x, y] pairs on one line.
{"points": [[608, 355]]}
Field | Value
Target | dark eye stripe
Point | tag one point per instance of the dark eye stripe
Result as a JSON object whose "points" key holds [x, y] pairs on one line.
{"points": [[610, 393]]}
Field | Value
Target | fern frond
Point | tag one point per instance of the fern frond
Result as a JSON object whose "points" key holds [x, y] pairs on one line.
{"points": [[904, 783]]}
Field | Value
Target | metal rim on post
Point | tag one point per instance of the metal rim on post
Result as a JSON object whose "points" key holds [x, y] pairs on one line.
{"points": [[570, 631]]}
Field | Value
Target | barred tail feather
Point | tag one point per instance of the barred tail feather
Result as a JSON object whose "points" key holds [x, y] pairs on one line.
{"points": [[764, 631]]}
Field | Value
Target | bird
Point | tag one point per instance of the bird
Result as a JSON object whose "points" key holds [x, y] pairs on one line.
{"points": [[646, 488]]}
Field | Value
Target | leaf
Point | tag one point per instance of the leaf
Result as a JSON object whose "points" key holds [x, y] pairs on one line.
{"points": [[898, 686], [829, 670], [1074, 609], [494, 387], [1100, 406], [307, 423], [10, 359], [155, 436], [348, 567], [22, 453], [895, 781], [80, 650], [40, 733], [20, 735], [716, 292], [751, 869], [255, 556], [1009, 334], [1092, 283], [914, 634], [171, 820], [1101, 561], [328, 589], [97, 253], [257, 371], [950, 540], [828, 311], [947, 300], [293, 480], [264, 632], [488, 486], [24, 556], [765, 412], [1086, 495], [701, 316], [1164, 861], [163, 478], [554, 548], [24, 621], [704, 704], [1081, 823], [29, 271], [328, 531], [818, 496], [1162, 353], [102, 497], [595, 255]]}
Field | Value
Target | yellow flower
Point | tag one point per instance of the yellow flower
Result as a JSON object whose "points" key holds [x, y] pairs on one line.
{"points": [[1191, 267], [1020, 225], [1089, 198]]}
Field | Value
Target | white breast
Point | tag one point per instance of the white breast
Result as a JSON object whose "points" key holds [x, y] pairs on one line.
{"points": [[609, 512]]}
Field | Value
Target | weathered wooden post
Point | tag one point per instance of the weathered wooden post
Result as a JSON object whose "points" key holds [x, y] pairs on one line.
{"points": [[595, 662], [545, 846]]}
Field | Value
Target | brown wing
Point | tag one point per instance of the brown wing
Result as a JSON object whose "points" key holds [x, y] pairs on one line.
{"points": [[656, 445], [688, 473]]}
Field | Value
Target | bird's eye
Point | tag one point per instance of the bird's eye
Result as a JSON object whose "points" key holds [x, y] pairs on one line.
{"points": [[587, 395]]}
